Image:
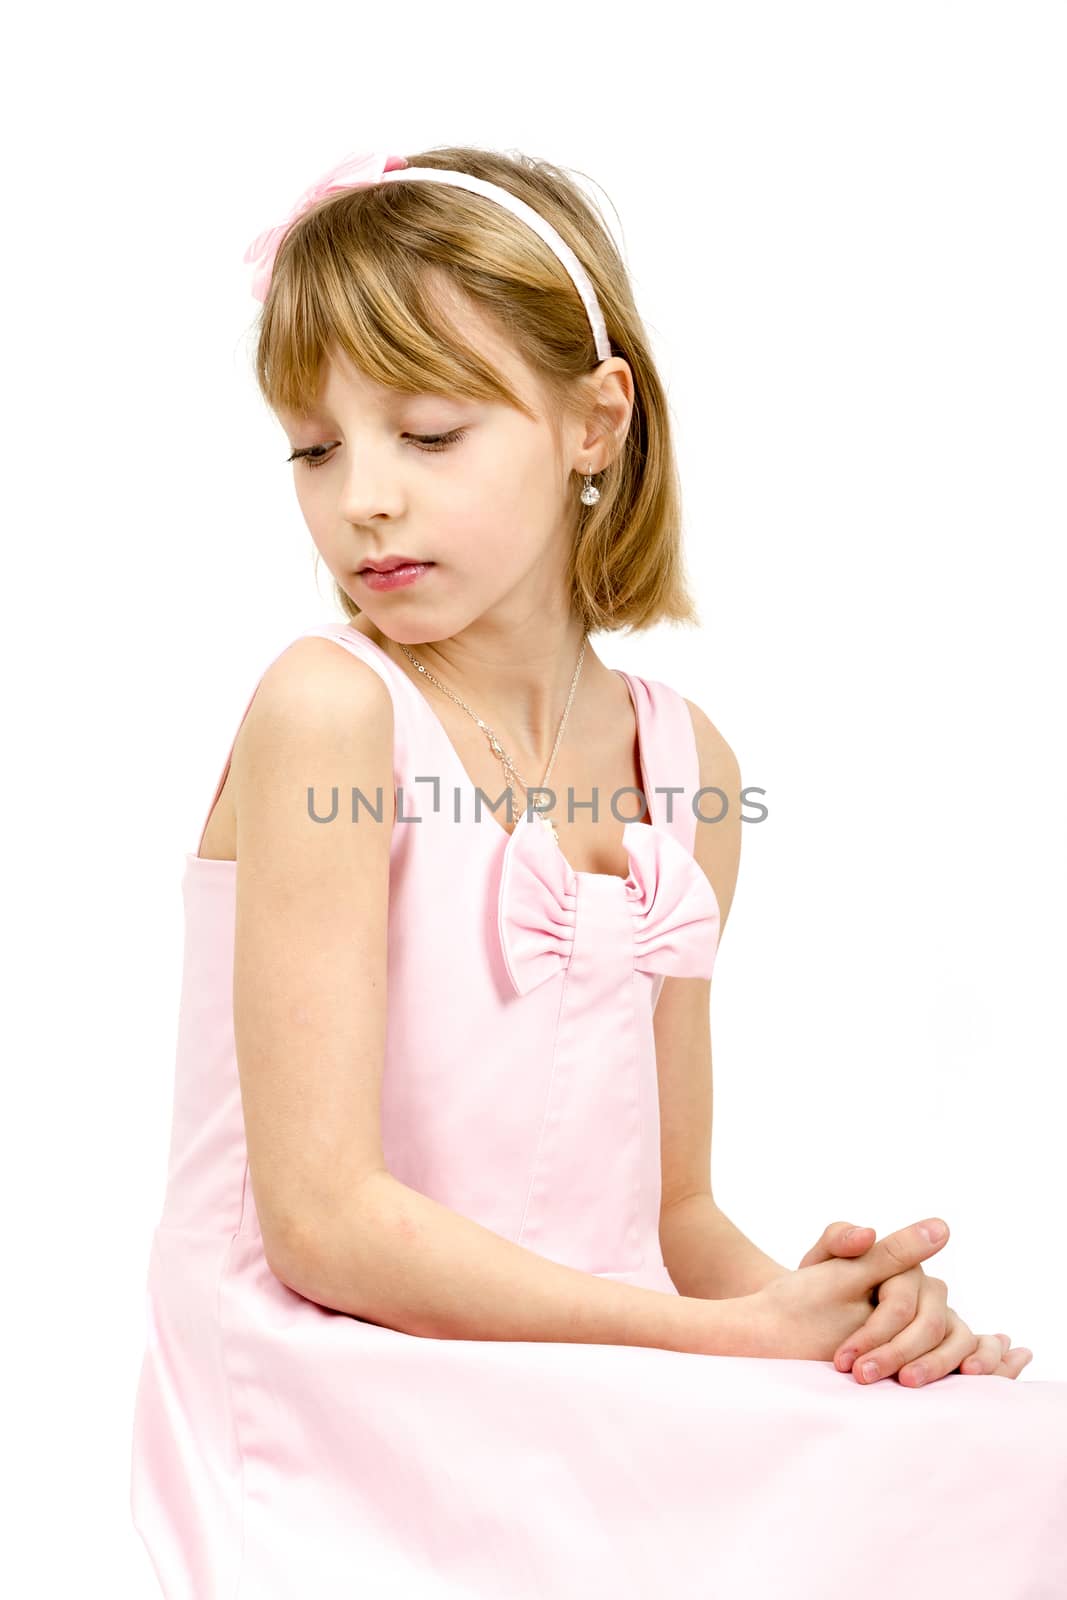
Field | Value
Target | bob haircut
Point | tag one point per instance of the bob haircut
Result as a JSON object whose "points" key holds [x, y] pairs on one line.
{"points": [[357, 272]]}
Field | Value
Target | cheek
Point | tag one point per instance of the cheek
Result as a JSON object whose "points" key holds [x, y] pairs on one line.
{"points": [[304, 498], [324, 537], [534, 482], [315, 508]]}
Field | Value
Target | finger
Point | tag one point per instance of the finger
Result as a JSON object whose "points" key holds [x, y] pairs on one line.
{"points": [[839, 1239], [911, 1315], [924, 1334], [1014, 1362], [958, 1343], [899, 1251], [1015, 1358], [985, 1360], [992, 1348]]}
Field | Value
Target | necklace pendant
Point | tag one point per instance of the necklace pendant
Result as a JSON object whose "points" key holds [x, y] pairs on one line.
{"points": [[549, 826]]}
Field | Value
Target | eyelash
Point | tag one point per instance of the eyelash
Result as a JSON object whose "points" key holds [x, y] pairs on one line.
{"points": [[429, 443]]}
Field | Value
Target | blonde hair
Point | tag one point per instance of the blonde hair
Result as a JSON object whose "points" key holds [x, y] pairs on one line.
{"points": [[356, 272]]}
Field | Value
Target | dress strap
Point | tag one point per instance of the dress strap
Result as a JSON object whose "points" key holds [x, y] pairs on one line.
{"points": [[669, 755], [356, 644]]}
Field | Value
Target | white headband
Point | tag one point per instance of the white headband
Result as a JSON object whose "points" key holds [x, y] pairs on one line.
{"points": [[361, 171]]}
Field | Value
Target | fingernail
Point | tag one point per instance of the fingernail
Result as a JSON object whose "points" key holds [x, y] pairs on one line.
{"points": [[933, 1231], [849, 1232], [918, 1374], [846, 1358], [868, 1371]]}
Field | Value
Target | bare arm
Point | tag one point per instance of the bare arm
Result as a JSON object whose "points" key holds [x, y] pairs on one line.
{"points": [[708, 1256], [309, 1019], [705, 1253], [394, 1256]]}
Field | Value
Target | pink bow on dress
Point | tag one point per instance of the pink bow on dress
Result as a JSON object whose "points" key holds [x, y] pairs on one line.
{"points": [[675, 912], [354, 172]]}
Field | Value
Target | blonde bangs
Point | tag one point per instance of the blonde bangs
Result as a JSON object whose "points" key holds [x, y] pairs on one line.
{"points": [[357, 276]]}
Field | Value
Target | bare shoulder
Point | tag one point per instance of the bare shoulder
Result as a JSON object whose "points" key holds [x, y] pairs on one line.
{"points": [[315, 682], [320, 726], [316, 698], [717, 847]]}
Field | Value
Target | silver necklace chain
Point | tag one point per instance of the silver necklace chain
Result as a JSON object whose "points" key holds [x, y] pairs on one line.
{"points": [[497, 748]]}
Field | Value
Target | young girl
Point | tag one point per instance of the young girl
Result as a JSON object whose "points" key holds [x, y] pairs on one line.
{"points": [[440, 1302]]}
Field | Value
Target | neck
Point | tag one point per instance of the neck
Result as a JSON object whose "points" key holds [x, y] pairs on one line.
{"points": [[520, 690]]}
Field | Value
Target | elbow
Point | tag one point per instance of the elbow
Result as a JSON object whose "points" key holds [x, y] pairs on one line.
{"points": [[291, 1258], [289, 1264], [314, 1264], [346, 1258]]}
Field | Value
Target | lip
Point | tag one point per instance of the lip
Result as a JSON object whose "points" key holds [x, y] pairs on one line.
{"points": [[390, 562], [398, 577]]}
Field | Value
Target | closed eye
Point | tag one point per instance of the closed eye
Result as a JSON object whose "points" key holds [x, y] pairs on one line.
{"points": [[314, 455]]}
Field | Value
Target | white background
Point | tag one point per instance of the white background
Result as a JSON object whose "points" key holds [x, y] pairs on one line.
{"points": [[845, 226]]}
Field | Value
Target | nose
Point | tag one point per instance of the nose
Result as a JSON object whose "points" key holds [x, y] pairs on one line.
{"points": [[370, 488]]}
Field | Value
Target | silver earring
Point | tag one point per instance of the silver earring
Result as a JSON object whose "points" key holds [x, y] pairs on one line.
{"points": [[590, 493]]}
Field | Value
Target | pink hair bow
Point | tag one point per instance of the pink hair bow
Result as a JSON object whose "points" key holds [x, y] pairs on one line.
{"points": [[354, 172]]}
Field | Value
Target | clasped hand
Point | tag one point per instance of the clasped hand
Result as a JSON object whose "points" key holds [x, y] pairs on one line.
{"points": [[913, 1320]]}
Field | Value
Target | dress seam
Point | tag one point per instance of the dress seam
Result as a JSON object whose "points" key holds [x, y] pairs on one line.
{"points": [[642, 1119], [223, 1266], [544, 1114]]}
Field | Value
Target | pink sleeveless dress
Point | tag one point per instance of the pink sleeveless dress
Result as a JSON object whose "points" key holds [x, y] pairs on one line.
{"points": [[283, 1450]]}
